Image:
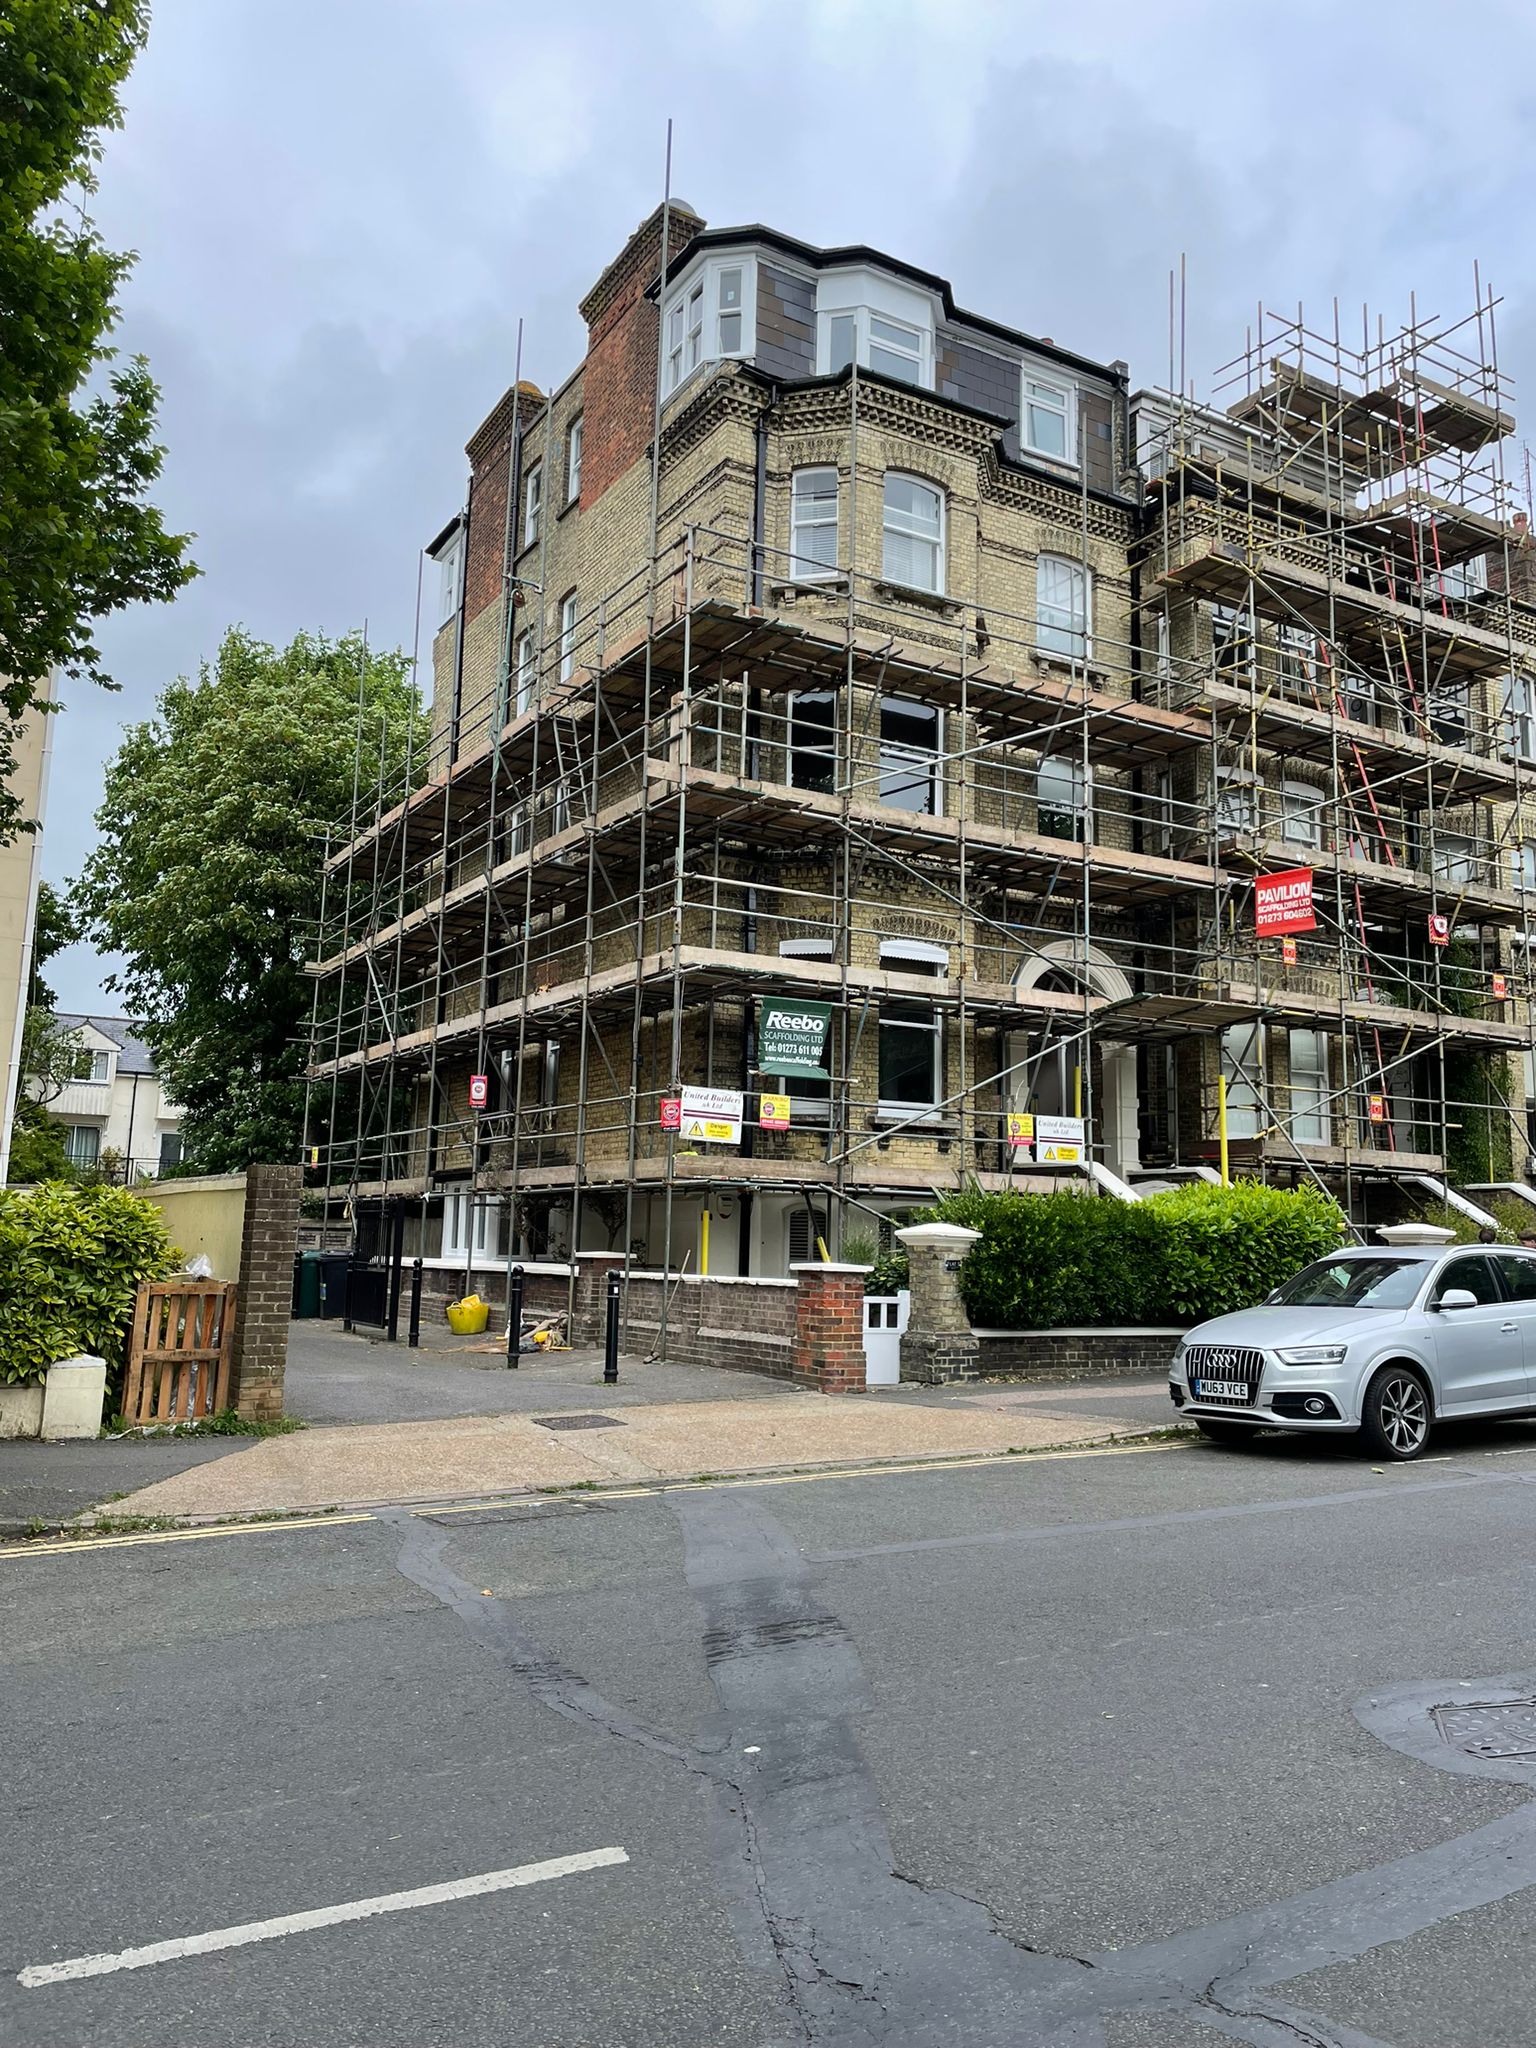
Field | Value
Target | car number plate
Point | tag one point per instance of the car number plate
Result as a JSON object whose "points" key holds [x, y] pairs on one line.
{"points": [[1223, 1390]]}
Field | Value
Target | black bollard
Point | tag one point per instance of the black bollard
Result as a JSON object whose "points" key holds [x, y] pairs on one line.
{"points": [[515, 1281], [611, 1336], [413, 1331]]}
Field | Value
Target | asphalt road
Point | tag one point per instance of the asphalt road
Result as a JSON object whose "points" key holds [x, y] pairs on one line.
{"points": [[1128, 1750]]}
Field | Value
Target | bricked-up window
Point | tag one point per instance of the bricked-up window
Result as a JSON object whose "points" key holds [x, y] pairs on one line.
{"points": [[813, 524], [913, 553], [567, 636], [911, 1041], [1063, 799], [533, 505], [573, 461], [1048, 424], [527, 667], [812, 745], [909, 756], [1061, 608]]}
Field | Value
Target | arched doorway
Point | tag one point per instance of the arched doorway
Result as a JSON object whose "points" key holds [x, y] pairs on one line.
{"points": [[1065, 965]]}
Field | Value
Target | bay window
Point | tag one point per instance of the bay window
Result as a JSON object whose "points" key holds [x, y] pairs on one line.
{"points": [[709, 318], [913, 533]]}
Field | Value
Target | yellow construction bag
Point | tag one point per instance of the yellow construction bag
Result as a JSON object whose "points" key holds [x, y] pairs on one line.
{"points": [[468, 1318]]}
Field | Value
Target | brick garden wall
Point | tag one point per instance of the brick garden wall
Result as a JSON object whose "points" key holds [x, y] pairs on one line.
{"points": [[743, 1325], [1059, 1354], [269, 1232]]}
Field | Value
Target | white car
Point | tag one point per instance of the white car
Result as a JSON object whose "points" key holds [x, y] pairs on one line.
{"points": [[1384, 1340]]}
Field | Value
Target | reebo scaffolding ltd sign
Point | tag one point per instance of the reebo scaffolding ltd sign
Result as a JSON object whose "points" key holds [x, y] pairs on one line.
{"points": [[1283, 903], [792, 1037]]}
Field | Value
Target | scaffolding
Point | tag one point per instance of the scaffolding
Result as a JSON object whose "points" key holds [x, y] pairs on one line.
{"points": [[1019, 847]]}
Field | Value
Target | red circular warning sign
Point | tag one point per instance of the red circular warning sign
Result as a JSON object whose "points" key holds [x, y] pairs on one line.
{"points": [[672, 1112]]}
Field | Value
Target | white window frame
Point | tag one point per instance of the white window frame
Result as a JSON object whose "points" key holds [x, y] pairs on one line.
{"points": [[573, 439], [1162, 647], [863, 292], [1038, 388], [1245, 1106], [1236, 802], [912, 953], [1518, 703], [1311, 1114], [1072, 640], [98, 1064], [1077, 803], [81, 1155], [931, 758], [808, 568], [450, 566], [567, 636], [458, 1205], [1453, 857], [909, 532], [1301, 821], [1522, 867], [691, 321], [533, 504], [526, 669], [1161, 808], [1238, 622]]}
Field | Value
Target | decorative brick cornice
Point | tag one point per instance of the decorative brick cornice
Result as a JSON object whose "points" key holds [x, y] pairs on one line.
{"points": [[638, 263]]}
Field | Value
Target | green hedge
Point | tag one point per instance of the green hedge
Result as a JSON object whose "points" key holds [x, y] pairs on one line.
{"points": [[71, 1259], [1045, 1261]]}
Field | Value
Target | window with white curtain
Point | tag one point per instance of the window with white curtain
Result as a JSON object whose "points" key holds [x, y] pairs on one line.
{"points": [[1061, 607], [913, 553], [1310, 1119], [82, 1144], [467, 1215], [813, 524], [1301, 817]]}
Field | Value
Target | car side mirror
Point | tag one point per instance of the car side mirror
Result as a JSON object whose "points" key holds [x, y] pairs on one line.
{"points": [[1457, 1297]]}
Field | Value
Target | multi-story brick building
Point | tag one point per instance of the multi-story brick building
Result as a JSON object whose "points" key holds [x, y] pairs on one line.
{"points": [[930, 682]]}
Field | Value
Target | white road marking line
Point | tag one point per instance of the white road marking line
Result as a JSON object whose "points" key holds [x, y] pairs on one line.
{"points": [[37, 1974]]}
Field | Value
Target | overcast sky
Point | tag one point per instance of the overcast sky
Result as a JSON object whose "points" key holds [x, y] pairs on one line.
{"points": [[343, 207]]}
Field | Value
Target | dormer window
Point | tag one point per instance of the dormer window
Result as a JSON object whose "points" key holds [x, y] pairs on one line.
{"points": [[710, 318], [868, 317], [1048, 418]]}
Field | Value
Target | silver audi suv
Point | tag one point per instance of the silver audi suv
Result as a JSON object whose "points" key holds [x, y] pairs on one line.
{"points": [[1384, 1340]]}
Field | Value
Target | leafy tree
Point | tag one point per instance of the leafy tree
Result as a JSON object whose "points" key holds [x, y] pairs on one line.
{"points": [[207, 874], [78, 538], [49, 1057], [53, 930]]}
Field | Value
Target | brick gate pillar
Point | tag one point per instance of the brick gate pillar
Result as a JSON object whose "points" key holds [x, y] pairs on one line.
{"points": [[827, 1351], [269, 1237], [938, 1344], [589, 1320]]}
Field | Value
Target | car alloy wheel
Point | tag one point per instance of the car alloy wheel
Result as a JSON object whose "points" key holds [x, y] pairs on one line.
{"points": [[1404, 1414]]}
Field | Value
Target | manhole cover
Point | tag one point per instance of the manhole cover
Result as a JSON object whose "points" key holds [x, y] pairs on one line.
{"points": [[578, 1422], [1484, 1729]]}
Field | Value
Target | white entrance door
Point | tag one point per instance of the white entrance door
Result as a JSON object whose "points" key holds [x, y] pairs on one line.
{"points": [[885, 1317]]}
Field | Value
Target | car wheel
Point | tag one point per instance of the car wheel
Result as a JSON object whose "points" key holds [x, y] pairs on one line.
{"points": [[1227, 1432], [1397, 1415]]}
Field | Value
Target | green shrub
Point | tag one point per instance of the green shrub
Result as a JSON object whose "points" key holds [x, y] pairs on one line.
{"points": [[1048, 1261], [71, 1259], [888, 1272]]}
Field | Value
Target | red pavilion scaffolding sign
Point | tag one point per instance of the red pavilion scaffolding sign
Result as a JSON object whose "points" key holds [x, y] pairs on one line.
{"points": [[1283, 903]]}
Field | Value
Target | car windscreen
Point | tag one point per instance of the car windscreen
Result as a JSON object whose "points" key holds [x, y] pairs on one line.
{"points": [[1352, 1283]]}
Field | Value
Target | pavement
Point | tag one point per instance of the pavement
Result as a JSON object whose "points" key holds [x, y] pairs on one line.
{"points": [[433, 1425], [1156, 1747]]}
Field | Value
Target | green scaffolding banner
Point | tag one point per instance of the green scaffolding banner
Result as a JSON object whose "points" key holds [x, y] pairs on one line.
{"points": [[792, 1037]]}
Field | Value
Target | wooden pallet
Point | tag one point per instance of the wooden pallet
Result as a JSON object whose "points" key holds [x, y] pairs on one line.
{"points": [[180, 1351]]}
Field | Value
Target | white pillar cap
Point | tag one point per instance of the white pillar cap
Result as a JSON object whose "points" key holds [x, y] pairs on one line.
{"points": [[946, 1236]]}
